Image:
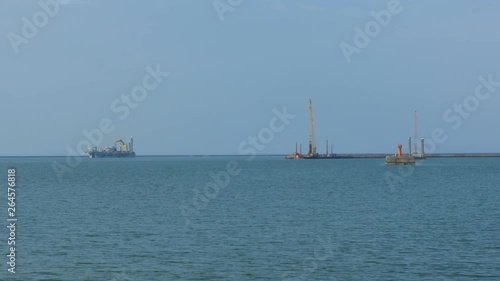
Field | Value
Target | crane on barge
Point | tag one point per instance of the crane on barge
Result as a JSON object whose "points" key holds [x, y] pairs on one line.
{"points": [[312, 144], [312, 153], [122, 144]]}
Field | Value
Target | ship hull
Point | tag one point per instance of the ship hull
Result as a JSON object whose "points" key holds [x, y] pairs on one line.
{"points": [[112, 155]]}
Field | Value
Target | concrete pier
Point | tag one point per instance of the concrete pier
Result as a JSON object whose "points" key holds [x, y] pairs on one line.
{"points": [[400, 160], [384, 155]]}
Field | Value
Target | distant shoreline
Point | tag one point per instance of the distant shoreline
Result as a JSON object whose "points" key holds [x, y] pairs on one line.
{"points": [[340, 156]]}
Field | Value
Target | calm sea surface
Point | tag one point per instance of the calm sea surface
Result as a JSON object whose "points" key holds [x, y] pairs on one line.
{"points": [[166, 218]]}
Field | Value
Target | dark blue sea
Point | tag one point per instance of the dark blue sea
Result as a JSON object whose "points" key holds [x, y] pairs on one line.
{"points": [[235, 218]]}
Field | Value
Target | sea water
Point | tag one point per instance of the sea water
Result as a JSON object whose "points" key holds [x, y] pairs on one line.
{"points": [[238, 218]]}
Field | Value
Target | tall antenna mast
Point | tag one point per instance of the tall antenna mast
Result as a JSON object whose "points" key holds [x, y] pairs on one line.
{"points": [[416, 134], [312, 145]]}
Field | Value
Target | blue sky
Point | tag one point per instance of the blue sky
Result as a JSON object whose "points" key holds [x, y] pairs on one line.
{"points": [[226, 77]]}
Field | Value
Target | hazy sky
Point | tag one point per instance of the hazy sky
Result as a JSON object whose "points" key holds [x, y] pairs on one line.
{"points": [[226, 77]]}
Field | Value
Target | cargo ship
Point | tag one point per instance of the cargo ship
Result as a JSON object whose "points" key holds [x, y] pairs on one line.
{"points": [[119, 150]]}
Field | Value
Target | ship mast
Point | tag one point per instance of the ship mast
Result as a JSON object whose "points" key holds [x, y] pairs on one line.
{"points": [[312, 144]]}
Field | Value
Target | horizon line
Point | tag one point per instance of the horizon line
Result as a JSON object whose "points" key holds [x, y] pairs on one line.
{"points": [[244, 155]]}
